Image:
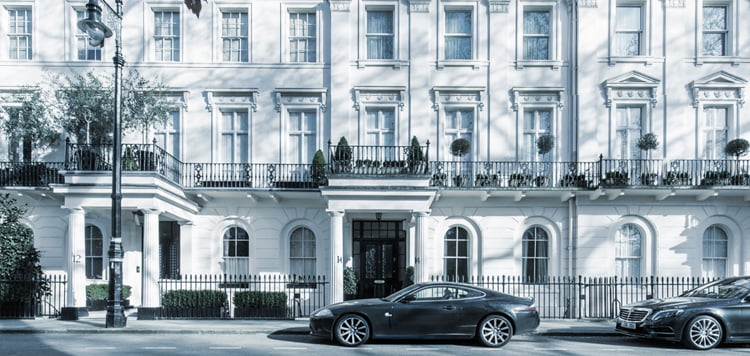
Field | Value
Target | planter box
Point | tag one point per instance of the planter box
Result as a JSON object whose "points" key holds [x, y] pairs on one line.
{"points": [[262, 312], [192, 313]]}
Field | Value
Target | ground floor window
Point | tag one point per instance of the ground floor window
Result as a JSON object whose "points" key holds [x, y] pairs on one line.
{"points": [[715, 251], [456, 254], [535, 254], [302, 252], [236, 251]]}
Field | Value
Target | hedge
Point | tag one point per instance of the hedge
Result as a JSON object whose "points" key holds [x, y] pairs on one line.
{"points": [[101, 291], [255, 299], [182, 298]]}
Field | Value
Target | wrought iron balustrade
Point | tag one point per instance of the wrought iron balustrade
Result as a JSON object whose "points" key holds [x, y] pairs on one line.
{"points": [[513, 174], [250, 175], [378, 160]]}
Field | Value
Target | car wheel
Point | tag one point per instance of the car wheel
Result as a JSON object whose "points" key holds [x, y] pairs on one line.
{"points": [[352, 330], [494, 331], [702, 333]]}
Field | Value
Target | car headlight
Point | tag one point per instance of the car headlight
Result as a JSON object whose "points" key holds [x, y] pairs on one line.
{"points": [[669, 313], [322, 313]]}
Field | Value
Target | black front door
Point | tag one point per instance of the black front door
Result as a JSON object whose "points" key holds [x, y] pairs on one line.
{"points": [[378, 248]]}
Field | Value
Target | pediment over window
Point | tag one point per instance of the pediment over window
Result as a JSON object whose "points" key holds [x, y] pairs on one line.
{"points": [[540, 95], [631, 86], [232, 97], [379, 95], [302, 96], [13, 96], [458, 95], [177, 97], [719, 86]]}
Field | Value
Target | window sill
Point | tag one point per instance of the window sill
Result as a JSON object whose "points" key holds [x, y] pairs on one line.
{"points": [[395, 63], [734, 61], [474, 64], [552, 64], [646, 60]]}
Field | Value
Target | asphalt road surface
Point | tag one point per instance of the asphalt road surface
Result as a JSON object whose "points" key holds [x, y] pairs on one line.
{"points": [[296, 345]]}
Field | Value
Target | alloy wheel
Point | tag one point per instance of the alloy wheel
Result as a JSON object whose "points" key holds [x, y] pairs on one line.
{"points": [[703, 333], [352, 330], [495, 331]]}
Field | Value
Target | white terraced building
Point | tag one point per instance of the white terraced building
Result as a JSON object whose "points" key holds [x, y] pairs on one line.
{"points": [[259, 85]]}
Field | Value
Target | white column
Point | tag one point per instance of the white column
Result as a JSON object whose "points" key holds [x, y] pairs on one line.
{"points": [[420, 247], [336, 272], [76, 258], [150, 259], [186, 247]]}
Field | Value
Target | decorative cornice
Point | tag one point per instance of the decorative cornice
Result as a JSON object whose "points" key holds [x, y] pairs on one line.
{"points": [[380, 95], [633, 85], [499, 6], [587, 4], [302, 96], [674, 3], [178, 97], [458, 95], [719, 86], [235, 97], [340, 5], [543, 95], [419, 5]]}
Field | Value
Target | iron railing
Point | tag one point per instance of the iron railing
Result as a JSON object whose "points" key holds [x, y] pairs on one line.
{"points": [[30, 174], [514, 175], [378, 160], [249, 175], [29, 305], [565, 297], [304, 294]]}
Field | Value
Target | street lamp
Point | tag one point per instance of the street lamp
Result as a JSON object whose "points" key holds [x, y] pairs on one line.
{"points": [[98, 31]]}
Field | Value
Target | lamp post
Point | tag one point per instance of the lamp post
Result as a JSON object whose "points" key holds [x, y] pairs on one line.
{"points": [[98, 31]]}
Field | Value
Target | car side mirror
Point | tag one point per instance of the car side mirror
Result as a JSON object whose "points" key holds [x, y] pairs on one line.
{"points": [[408, 298], [746, 299]]}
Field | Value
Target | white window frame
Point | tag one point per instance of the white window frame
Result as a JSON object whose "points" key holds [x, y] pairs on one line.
{"points": [[648, 238], [630, 89], [736, 244], [168, 131], [733, 29], [229, 99], [643, 127], [469, 250], [538, 98], [456, 133], [314, 258], [645, 55], [703, 128], [5, 23], [287, 10], [224, 258], [104, 256], [555, 37], [149, 32], [451, 98], [720, 89], [448, 6], [308, 99], [380, 97], [218, 29], [380, 5], [724, 258], [534, 259], [76, 34]]}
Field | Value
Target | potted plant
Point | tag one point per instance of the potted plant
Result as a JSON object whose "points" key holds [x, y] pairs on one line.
{"points": [[616, 178], [574, 180], [677, 178], [318, 168], [647, 143], [737, 148], [519, 180], [416, 158], [350, 283], [259, 304], [459, 148], [544, 145], [716, 178], [439, 179], [342, 157]]}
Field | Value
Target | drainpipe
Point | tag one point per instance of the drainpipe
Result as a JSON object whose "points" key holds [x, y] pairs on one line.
{"points": [[572, 233]]}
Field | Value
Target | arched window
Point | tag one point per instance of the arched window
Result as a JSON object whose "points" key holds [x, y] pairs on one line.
{"points": [[628, 241], [302, 252], [94, 252], [236, 251], [456, 255], [535, 254], [715, 251]]}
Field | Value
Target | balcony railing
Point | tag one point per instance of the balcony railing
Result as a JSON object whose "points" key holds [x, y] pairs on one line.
{"points": [[368, 161], [378, 160]]}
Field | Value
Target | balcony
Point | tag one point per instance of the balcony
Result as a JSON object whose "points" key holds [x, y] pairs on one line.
{"points": [[377, 162]]}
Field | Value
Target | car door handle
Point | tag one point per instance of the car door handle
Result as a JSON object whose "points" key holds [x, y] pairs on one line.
{"points": [[449, 307]]}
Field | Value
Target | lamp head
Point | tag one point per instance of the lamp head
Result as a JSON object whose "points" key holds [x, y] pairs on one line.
{"points": [[93, 25]]}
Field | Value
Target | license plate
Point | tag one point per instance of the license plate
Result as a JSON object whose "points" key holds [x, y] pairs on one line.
{"points": [[627, 325]]}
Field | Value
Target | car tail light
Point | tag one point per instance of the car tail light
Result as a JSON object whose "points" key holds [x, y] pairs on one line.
{"points": [[530, 308]]}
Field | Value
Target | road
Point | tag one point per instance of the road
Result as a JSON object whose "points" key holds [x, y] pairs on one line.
{"points": [[295, 345]]}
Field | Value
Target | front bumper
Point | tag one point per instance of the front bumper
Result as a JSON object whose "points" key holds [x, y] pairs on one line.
{"points": [[321, 326], [668, 329]]}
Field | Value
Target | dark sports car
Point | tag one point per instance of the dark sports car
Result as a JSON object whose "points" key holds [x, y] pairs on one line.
{"points": [[701, 318], [428, 310]]}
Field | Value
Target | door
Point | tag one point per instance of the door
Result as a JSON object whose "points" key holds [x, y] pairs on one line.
{"points": [[378, 249]]}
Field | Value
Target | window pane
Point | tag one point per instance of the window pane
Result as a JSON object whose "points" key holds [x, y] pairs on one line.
{"points": [[628, 44], [536, 48], [458, 22], [714, 17], [628, 18], [536, 22], [713, 44]]}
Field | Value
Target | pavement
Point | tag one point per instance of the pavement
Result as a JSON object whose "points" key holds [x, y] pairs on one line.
{"points": [[95, 323]]}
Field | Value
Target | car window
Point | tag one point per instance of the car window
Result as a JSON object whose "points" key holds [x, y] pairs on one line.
{"points": [[720, 290], [436, 293], [464, 293]]}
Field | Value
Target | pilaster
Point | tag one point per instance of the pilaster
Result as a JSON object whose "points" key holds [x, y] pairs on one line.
{"points": [[150, 259], [75, 305], [337, 256], [420, 247]]}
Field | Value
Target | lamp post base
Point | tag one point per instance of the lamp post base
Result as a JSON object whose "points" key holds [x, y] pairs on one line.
{"points": [[115, 317]]}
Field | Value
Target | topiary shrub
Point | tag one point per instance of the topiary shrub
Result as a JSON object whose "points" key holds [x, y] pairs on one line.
{"points": [[648, 142], [256, 304], [101, 291], [460, 147], [737, 147], [545, 143], [182, 298]]}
